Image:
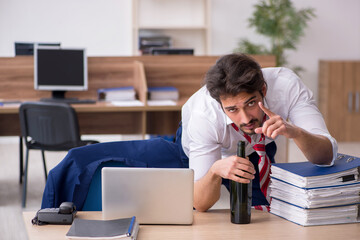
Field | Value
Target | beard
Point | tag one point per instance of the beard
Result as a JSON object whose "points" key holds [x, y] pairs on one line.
{"points": [[255, 122]]}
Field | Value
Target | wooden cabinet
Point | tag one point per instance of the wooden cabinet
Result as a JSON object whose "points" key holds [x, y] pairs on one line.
{"points": [[339, 98], [187, 22]]}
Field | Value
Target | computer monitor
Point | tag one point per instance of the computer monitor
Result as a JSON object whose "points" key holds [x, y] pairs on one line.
{"points": [[60, 70], [27, 48]]}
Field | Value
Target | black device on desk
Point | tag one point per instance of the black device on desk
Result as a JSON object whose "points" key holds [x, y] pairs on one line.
{"points": [[171, 51], [60, 70], [65, 214], [69, 100]]}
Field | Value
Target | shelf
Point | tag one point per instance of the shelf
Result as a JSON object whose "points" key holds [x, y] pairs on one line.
{"points": [[187, 22]]}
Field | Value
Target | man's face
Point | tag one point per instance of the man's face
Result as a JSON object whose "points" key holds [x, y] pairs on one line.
{"points": [[243, 109]]}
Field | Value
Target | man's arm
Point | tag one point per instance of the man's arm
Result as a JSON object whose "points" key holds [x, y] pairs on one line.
{"points": [[316, 148], [207, 189]]}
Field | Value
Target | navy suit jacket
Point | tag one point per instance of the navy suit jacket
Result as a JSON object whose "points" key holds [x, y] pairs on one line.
{"points": [[69, 181]]}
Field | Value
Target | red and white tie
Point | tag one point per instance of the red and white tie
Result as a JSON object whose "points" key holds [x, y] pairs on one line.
{"points": [[264, 167]]}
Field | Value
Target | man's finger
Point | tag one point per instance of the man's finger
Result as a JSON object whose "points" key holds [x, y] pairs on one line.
{"points": [[266, 111], [258, 130]]}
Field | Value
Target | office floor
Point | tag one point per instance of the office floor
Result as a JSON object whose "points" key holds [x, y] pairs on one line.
{"points": [[12, 226]]}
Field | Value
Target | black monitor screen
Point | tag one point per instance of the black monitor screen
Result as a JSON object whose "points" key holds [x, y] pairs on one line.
{"points": [[27, 48], [60, 69]]}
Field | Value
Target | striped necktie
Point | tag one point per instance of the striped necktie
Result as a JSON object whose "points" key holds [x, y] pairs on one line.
{"points": [[264, 167]]}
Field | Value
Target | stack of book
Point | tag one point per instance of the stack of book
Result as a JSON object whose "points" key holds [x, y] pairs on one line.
{"points": [[122, 228], [127, 93], [308, 194]]}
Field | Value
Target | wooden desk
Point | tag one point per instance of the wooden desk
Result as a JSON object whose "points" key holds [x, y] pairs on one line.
{"points": [[186, 73], [105, 118], [214, 224]]}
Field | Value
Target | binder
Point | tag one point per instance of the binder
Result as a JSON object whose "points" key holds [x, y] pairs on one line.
{"points": [[307, 175], [309, 194], [127, 93], [123, 228], [315, 197], [315, 216], [163, 93]]}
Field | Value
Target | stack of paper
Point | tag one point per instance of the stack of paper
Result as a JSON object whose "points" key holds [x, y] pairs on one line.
{"points": [[123, 228], [161, 103], [308, 194], [117, 94], [133, 103], [315, 216]]}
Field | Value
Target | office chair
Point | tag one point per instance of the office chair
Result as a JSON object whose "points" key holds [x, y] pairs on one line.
{"points": [[47, 126]]}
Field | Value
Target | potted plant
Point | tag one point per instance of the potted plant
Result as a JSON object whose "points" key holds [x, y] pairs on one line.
{"points": [[279, 21]]}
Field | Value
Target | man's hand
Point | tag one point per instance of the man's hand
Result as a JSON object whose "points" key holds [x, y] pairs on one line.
{"points": [[316, 148], [207, 188], [234, 168], [276, 126]]}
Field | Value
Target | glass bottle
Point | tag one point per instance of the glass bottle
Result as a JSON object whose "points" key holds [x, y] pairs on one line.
{"points": [[240, 195]]}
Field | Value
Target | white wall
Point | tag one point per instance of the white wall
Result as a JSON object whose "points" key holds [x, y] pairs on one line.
{"points": [[333, 34], [104, 28]]}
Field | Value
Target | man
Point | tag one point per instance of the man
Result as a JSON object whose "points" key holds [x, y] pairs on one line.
{"points": [[241, 101]]}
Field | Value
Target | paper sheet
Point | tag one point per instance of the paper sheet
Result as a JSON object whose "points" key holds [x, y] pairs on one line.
{"points": [[127, 103], [161, 103]]}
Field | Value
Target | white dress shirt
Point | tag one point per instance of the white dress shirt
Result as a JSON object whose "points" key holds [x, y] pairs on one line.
{"points": [[207, 134]]}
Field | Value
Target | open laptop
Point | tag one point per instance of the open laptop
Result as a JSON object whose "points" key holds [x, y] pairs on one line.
{"points": [[152, 195]]}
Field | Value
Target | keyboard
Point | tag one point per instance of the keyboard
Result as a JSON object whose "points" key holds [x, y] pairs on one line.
{"points": [[69, 100]]}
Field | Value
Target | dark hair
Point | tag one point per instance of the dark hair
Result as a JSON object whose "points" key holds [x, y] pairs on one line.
{"points": [[233, 74]]}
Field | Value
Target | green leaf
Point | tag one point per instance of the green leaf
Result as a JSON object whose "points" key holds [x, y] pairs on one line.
{"points": [[245, 46], [281, 23]]}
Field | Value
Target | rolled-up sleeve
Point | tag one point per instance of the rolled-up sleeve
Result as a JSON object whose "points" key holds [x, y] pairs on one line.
{"points": [[204, 147], [304, 113]]}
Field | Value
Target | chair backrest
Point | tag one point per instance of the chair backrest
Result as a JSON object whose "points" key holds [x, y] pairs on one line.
{"points": [[51, 125]]}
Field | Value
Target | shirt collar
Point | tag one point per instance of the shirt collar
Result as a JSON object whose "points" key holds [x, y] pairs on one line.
{"points": [[228, 120]]}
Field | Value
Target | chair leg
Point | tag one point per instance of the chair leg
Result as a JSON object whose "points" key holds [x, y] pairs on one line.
{"points": [[25, 178], [44, 162], [21, 162]]}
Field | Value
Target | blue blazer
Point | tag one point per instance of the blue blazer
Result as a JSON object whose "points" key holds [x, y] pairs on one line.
{"points": [[69, 181]]}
